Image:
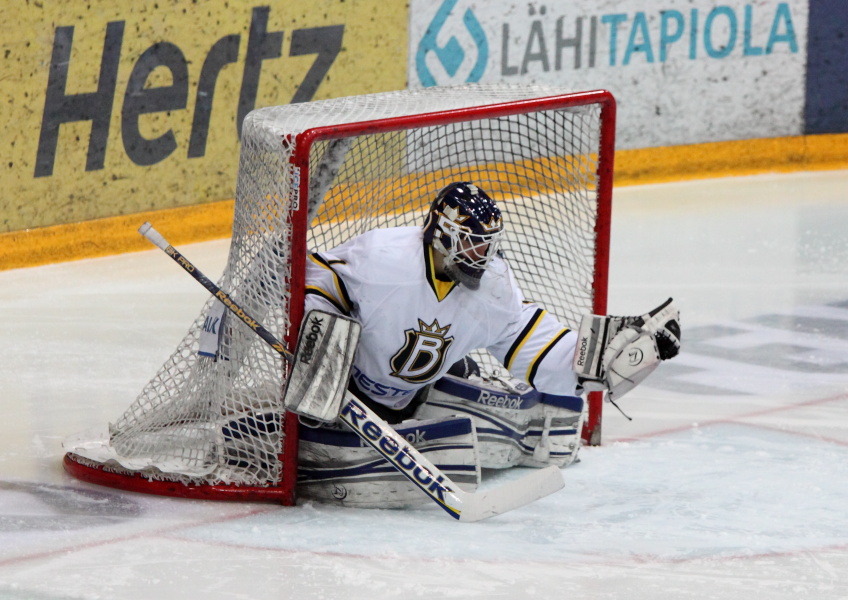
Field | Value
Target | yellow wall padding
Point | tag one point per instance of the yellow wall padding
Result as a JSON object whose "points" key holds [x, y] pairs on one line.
{"points": [[182, 225], [728, 159], [114, 235]]}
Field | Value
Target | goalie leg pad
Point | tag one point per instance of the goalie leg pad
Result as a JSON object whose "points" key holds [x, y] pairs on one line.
{"points": [[335, 466], [516, 424]]}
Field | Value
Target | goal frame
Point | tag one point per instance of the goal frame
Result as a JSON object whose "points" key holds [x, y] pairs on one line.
{"points": [[284, 491], [606, 158]]}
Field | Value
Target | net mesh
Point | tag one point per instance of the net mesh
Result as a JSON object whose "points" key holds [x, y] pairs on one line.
{"points": [[216, 420]]}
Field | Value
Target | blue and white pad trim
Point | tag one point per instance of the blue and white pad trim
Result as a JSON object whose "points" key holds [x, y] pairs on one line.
{"points": [[335, 465], [516, 424]]}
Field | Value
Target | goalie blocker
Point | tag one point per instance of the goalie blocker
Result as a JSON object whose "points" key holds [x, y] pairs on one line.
{"points": [[618, 353]]}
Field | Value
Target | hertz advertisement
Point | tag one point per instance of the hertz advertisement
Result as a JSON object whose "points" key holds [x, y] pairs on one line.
{"points": [[112, 108]]}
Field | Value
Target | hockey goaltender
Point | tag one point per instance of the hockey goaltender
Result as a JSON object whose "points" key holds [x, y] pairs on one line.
{"points": [[427, 297]]}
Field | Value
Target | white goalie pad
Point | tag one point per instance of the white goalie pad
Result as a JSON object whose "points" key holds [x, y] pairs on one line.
{"points": [[335, 466], [618, 353], [516, 424]]}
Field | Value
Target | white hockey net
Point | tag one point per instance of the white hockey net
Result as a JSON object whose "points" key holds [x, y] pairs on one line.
{"points": [[215, 421]]}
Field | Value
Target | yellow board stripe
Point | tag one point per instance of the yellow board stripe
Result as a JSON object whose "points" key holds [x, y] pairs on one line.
{"points": [[114, 235], [731, 159], [213, 220]]}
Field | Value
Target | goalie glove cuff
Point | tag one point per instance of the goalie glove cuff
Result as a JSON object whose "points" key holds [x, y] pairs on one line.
{"points": [[617, 353]]}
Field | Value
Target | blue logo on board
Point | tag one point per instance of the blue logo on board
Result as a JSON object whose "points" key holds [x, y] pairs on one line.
{"points": [[451, 55]]}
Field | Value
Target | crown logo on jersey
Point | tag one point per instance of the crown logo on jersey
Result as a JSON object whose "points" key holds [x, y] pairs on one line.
{"points": [[434, 328]]}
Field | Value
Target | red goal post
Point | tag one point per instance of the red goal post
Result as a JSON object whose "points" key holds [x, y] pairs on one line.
{"points": [[312, 176]]}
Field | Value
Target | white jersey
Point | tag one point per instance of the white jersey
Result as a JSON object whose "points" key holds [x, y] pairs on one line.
{"points": [[415, 326]]}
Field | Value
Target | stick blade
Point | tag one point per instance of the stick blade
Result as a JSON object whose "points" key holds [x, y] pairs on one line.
{"points": [[322, 365], [509, 496]]}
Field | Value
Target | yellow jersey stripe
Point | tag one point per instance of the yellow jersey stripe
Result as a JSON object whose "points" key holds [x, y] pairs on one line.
{"points": [[534, 364], [337, 281], [522, 338], [439, 287], [313, 289]]}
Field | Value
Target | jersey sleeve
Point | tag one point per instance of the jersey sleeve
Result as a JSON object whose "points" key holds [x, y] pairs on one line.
{"points": [[325, 287], [537, 348]]}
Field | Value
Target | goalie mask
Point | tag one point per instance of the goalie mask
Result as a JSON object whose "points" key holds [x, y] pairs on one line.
{"points": [[466, 227]]}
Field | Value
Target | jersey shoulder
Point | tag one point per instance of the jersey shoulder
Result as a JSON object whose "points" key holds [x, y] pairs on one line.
{"points": [[499, 286], [382, 255]]}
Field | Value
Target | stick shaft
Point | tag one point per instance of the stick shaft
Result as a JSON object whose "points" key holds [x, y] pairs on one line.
{"points": [[157, 239]]}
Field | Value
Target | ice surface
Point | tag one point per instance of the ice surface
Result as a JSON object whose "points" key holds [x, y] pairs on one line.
{"points": [[730, 482]]}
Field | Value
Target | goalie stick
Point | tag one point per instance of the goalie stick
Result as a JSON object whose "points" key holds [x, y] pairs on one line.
{"points": [[376, 433], [326, 345], [159, 241]]}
